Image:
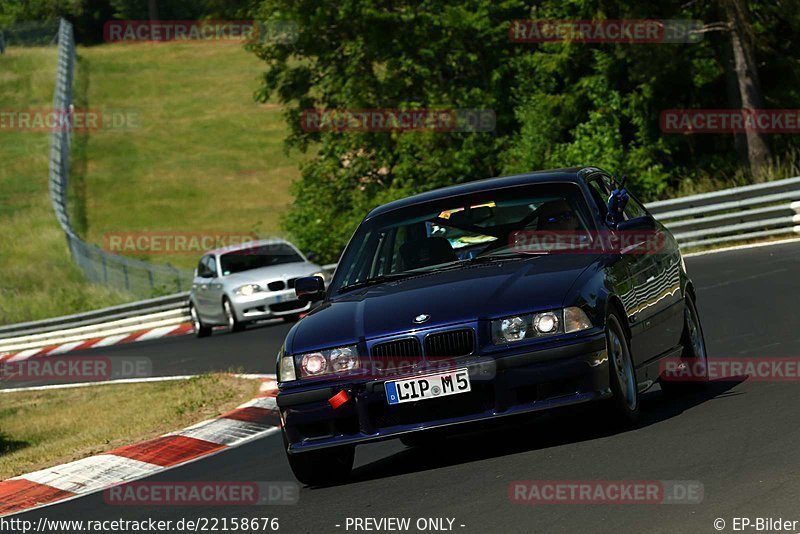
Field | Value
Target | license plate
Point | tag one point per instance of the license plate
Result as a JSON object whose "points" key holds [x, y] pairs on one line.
{"points": [[427, 387]]}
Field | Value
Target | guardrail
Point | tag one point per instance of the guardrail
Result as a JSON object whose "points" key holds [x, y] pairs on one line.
{"points": [[739, 213], [768, 209], [161, 311], [135, 276]]}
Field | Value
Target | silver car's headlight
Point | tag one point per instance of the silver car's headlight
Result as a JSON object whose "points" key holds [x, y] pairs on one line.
{"points": [[320, 363], [248, 289], [535, 325]]}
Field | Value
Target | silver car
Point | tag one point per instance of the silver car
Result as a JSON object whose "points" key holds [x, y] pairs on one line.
{"points": [[233, 286]]}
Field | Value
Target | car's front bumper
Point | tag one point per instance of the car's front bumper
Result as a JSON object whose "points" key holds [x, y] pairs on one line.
{"points": [[267, 304], [529, 381]]}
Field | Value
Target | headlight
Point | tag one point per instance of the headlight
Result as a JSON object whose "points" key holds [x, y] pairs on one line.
{"points": [[533, 325], [513, 329], [575, 319], [322, 362], [545, 323], [313, 364], [343, 359], [247, 289]]}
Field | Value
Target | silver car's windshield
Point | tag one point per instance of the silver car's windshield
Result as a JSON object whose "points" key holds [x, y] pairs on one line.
{"points": [[257, 257], [450, 232]]}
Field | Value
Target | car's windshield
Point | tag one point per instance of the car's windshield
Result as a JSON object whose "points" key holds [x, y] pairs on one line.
{"points": [[246, 259], [436, 235]]}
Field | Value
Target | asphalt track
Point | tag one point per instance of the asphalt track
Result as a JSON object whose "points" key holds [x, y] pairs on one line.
{"points": [[738, 438]]}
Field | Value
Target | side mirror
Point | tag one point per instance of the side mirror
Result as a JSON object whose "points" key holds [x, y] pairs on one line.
{"points": [[639, 223], [309, 288], [616, 205], [312, 256]]}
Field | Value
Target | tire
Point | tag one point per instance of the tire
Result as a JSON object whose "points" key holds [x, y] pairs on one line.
{"points": [[623, 407], [234, 325], [200, 330], [694, 354], [326, 467]]}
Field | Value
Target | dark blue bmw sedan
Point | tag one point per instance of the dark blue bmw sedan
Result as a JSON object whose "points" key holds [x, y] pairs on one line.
{"points": [[480, 301]]}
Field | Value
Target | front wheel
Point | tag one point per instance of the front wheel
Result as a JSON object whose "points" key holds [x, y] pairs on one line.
{"points": [[624, 404], [200, 330], [234, 325], [324, 467]]}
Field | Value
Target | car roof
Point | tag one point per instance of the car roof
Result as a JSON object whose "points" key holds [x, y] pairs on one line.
{"points": [[249, 244], [570, 175]]}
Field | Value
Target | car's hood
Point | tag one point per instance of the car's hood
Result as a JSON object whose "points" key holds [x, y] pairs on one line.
{"points": [[274, 272], [476, 292]]}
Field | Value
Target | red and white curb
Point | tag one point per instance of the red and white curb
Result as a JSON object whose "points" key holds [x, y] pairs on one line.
{"points": [[141, 335], [252, 420]]}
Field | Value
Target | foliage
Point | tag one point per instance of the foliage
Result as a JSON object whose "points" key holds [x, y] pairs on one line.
{"points": [[557, 104]]}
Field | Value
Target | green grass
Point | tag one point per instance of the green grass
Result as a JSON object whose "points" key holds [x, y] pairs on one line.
{"points": [[205, 158], [37, 276], [49, 427]]}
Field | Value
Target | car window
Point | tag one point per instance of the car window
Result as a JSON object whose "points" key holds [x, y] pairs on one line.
{"points": [[600, 193], [256, 257], [201, 268], [211, 267], [634, 209], [432, 235]]}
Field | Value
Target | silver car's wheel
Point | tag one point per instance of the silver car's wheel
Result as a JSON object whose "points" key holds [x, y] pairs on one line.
{"points": [[197, 324], [233, 324]]}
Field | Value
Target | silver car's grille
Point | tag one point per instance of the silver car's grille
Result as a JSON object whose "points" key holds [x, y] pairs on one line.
{"points": [[277, 285]]}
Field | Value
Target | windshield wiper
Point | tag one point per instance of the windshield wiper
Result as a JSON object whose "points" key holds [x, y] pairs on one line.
{"points": [[505, 256], [376, 280]]}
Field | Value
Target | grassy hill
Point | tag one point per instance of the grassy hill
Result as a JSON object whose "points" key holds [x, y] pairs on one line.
{"points": [[38, 277], [202, 157]]}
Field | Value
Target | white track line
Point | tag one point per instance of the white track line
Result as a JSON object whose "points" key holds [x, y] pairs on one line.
{"points": [[92, 473], [742, 247]]}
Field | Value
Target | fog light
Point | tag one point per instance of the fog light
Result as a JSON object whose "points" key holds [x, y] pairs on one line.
{"points": [[313, 364]]}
